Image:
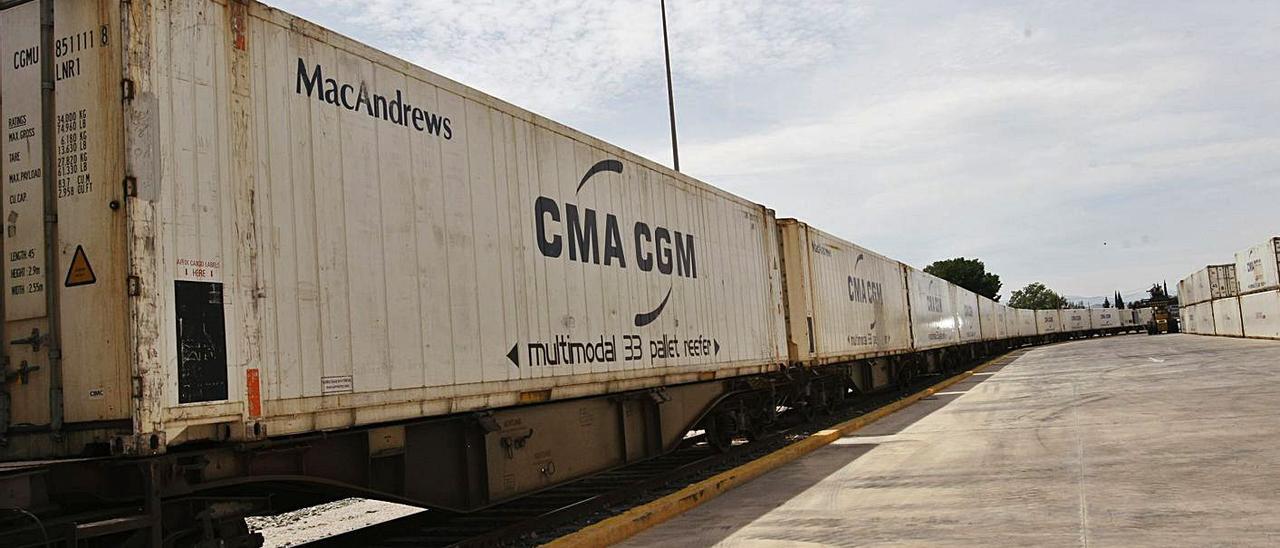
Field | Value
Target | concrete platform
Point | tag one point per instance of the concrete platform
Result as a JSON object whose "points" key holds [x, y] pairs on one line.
{"points": [[1121, 441]]}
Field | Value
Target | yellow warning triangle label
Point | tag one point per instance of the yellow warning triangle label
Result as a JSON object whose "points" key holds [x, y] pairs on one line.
{"points": [[80, 272]]}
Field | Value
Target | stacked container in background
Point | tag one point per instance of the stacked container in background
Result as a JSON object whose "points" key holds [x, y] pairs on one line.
{"points": [[1224, 305], [1258, 275], [1240, 299]]}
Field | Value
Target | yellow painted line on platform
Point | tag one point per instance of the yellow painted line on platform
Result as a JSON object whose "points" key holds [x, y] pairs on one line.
{"points": [[627, 524]]}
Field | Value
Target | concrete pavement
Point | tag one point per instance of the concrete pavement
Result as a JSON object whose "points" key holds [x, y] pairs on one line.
{"points": [[1119, 441]]}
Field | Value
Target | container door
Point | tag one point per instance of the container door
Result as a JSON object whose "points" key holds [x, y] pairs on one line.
{"points": [[77, 372]]}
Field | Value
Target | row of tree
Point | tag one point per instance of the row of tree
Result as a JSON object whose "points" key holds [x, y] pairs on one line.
{"points": [[972, 274]]}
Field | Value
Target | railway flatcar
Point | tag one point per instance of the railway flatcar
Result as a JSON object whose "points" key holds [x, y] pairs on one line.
{"points": [[251, 264]]}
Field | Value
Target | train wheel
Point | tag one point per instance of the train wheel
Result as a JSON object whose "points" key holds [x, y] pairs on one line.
{"points": [[721, 432]]}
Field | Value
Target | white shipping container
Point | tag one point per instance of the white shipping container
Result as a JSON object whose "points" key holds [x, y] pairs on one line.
{"points": [[1205, 311], [1104, 318], [933, 322], [1260, 314], [1226, 317], [1026, 320], [1075, 319], [1222, 281], [1144, 315], [989, 319], [320, 235], [1187, 319], [1194, 288], [843, 301], [1002, 321], [1202, 316], [965, 305], [1258, 267], [1048, 321]]}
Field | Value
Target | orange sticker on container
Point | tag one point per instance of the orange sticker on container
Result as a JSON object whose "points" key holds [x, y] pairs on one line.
{"points": [[80, 272], [254, 392]]}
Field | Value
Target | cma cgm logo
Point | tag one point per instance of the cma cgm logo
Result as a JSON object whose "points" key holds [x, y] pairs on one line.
{"points": [[862, 290], [584, 235]]}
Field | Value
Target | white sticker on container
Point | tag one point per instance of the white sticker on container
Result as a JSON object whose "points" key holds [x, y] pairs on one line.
{"points": [[336, 385]]}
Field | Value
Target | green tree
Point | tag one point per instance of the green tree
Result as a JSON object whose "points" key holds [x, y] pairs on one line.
{"points": [[1036, 296], [1106, 303], [970, 274], [1119, 301]]}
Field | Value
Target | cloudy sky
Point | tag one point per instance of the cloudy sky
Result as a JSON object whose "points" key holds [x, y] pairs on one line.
{"points": [[1092, 145]]}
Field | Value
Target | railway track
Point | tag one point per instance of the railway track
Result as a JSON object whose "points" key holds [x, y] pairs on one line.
{"points": [[545, 515]]}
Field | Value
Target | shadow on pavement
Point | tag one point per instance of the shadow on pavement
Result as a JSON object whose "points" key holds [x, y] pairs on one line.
{"points": [[758, 498]]}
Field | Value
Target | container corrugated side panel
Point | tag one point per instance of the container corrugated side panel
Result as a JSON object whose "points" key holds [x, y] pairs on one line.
{"points": [[855, 298], [1226, 317], [965, 305], [933, 322], [1103, 318], [1027, 323], [989, 319], [1204, 314], [1048, 321], [1001, 322], [1260, 314], [1258, 267], [1075, 319], [377, 269]]}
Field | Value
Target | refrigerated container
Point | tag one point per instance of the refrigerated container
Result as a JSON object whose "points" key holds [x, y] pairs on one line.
{"points": [[843, 301], [1002, 322], [272, 229], [989, 319], [1194, 288], [1104, 318], [1048, 322], [1222, 281], [1200, 318], [1026, 320], [1075, 319], [933, 320], [1226, 317], [1143, 316], [1260, 314], [1258, 267], [965, 305]]}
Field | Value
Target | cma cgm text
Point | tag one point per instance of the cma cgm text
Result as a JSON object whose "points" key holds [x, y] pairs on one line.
{"points": [[670, 252]]}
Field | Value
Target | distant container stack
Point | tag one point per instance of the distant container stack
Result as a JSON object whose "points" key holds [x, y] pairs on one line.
{"points": [[1239, 299]]}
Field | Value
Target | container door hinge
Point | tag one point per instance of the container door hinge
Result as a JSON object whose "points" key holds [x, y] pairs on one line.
{"points": [[131, 186], [135, 286], [126, 89]]}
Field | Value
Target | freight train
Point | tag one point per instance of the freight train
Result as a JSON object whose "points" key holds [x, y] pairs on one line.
{"points": [[250, 264]]}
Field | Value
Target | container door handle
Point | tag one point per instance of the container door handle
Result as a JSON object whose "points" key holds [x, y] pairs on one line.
{"points": [[35, 340]]}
